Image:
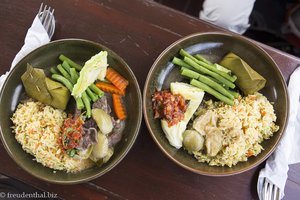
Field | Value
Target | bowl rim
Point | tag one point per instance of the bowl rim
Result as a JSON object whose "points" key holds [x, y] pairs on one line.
{"points": [[244, 40], [135, 132]]}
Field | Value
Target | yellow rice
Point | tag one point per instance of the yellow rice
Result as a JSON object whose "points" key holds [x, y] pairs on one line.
{"points": [[254, 115], [37, 128]]}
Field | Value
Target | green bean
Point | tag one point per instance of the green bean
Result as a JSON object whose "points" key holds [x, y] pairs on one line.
{"points": [[79, 103], [71, 70], [189, 73], [234, 93], [91, 94], [178, 61], [207, 71], [201, 58], [70, 62], [66, 66], [204, 79], [53, 70], [211, 91], [87, 104], [63, 80], [74, 75], [95, 89], [64, 73], [208, 66]]}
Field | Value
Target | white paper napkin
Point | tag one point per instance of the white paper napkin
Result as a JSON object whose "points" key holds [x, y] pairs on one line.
{"points": [[36, 36], [288, 148]]}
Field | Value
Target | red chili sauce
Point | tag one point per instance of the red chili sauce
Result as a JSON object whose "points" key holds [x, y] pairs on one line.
{"points": [[168, 106], [71, 133]]}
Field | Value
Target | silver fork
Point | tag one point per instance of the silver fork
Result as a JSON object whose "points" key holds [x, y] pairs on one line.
{"points": [[46, 17], [270, 191]]}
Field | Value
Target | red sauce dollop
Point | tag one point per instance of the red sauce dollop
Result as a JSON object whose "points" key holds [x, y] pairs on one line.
{"points": [[168, 106], [71, 133]]}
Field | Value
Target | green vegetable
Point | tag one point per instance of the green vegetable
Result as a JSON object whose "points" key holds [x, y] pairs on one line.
{"points": [[85, 154], [53, 70], [71, 152], [221, 68], [206, 80], [87, 104], [74, 75], [192, 140], [207, 71], [96, 90], [100, 150], [66, 66], [64, 73], [211, 91], [234, 93], [109, 154], [90, 72], [103, 120], [63, 80], [209, 67], [79, 103], [178, 61], [201, 58], [174, 133], [43, 89], [188, 91], [70, 62], [91, 94]]}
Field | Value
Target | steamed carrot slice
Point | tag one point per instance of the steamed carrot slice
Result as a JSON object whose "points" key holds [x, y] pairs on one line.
{"points": [[107, 87], [118, 106], [117, 79]]}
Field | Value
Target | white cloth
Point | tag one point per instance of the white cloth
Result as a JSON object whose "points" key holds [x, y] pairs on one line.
{"points": [[287, 151], [36, 36], [229, 14]]}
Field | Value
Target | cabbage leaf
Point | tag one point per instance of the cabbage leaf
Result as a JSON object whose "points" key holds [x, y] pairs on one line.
{"points": [[174, 133], [93, 68]]}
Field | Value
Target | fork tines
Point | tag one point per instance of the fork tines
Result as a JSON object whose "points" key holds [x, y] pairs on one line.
{"points": [[271, 191], [46, 16]]}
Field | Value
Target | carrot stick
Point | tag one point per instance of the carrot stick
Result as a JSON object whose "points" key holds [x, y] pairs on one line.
{"points": [[107, 87], [116, 79], [118, 107]]}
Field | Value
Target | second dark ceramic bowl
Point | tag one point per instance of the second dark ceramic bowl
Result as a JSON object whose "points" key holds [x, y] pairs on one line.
{"points": [[44, 58], [214, 46]]}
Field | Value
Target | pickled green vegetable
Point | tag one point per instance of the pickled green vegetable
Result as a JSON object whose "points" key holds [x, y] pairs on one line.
{"points": [[100, 150], [192, 140], [103, 120], [85, 154]]}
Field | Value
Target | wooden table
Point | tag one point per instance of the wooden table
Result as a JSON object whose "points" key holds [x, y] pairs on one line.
{"points": [[138, 31]]}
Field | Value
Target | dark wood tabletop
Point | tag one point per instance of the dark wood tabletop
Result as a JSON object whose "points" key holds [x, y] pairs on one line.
{"points": [[138, 30]]}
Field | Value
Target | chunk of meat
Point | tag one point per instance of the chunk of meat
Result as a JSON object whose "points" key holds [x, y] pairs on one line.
{"points": [[213, 141], [117, 133], [102, 104], [208, 119], [89, 137]]}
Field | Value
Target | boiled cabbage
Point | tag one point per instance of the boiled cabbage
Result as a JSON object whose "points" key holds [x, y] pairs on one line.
{"points": [[195, 95], [189, 92], [94, 68]]}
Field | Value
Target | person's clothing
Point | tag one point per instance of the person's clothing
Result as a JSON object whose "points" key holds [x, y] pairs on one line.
{"points": [[229, 14]]}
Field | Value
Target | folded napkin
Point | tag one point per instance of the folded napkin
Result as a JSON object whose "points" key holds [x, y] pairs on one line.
{"points": [[288, 148], [35, 37]]}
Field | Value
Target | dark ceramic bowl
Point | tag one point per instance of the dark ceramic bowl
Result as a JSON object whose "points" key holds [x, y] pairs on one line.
{"points": [[46, 57], [214, 46]]}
